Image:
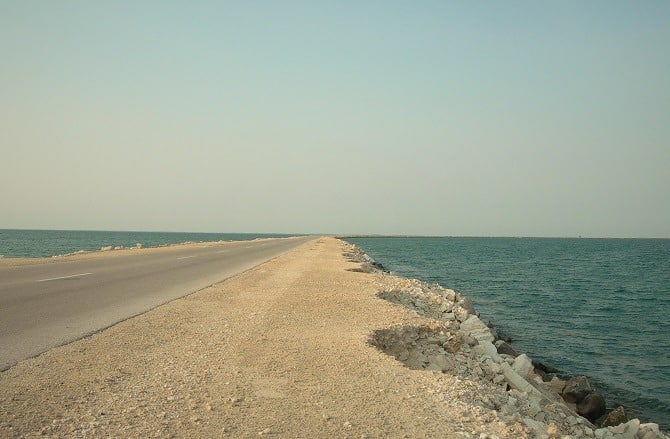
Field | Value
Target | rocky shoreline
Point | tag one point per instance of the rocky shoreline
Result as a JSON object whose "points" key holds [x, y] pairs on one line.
{"points": [[458, 342]]}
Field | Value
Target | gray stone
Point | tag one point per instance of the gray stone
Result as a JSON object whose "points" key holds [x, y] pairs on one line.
{"points": [[592, 406], [477, 329], [628, 430], [504, 348], [556, 384], [523, 365], [576, 389], [461, 313], [539, 428], [466, 303], [650, 431]]}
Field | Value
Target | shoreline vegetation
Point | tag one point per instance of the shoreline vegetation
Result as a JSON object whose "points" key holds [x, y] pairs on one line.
{"points": [[549, 401], [320, 342]]}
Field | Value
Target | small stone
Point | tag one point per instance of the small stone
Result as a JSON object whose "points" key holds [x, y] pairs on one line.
{"points": [[347, 424]]}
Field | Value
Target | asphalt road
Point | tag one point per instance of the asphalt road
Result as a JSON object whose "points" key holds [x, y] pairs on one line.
{"points": [[48, 305]]}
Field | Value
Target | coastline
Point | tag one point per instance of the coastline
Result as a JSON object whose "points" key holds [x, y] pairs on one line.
{"points": [[112, 251], [316, 343]]}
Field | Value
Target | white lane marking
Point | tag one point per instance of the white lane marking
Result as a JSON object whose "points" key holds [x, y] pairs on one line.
{"points": [[64, 277], [186, 257]]}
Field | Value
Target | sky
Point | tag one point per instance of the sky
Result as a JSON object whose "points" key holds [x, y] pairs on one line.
{"points": [[488, 118]]}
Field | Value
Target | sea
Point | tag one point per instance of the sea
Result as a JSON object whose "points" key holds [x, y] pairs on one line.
{"points": [[46, 243], [594, 307]]}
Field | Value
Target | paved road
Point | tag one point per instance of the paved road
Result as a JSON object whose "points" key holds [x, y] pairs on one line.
{"points": [[47, 305]]}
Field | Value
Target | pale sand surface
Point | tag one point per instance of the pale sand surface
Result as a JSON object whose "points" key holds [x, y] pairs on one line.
{"points": [[279, 351]]}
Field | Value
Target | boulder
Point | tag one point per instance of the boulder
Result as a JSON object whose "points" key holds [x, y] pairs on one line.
{"points": [[576, 389], [505, 348], [650, 431], [592, 407], [466, 303], [615, 417], [556, 384], [523, 365], [461, 313], [476, 328], [546, 368], [630, 428]]}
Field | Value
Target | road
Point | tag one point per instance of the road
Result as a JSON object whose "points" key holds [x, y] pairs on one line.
{"points": [[48, 305]]}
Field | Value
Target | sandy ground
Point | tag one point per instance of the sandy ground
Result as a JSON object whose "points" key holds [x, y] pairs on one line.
{"points": [[279, 351]]}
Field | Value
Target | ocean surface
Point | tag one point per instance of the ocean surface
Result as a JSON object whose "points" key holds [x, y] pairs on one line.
{"points": [[45, 243], [594, 307]]}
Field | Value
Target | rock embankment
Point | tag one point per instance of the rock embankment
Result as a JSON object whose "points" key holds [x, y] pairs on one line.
{"points": [[455, 341]]}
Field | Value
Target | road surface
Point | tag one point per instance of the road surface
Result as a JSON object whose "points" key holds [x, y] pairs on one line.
{"points": [[47, 305]]}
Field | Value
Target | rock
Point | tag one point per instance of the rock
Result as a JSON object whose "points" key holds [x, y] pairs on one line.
{"points": [[650, 431], [615, 417], [539, 428], [576, 389], [517, 382], [461, 313], [505, 348], [557, 385], [592, 406], [466, 304], [545, 368], [476, 328], [487, 348], [629, 429], [523, 365], [446, 306], [439, 363]]}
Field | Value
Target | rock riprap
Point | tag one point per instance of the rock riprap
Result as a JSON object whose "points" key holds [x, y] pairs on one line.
{"points": [[456, 341]]}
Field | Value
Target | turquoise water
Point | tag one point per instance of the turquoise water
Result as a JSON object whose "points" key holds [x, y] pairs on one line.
{"points": [[597, 307], [45, 243]]}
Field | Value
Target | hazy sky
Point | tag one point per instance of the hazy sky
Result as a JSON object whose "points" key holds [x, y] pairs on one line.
{"points": [[414, 117]]}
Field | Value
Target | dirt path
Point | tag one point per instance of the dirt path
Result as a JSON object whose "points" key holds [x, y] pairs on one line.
{"points": [[279, 351]]}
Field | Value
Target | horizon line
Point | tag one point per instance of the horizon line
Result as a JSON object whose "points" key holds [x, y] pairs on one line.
{"points": [[346, 235]]}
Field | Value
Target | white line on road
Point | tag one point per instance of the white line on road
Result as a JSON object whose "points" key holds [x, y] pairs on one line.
{"points": [[64, 277], [186, 257]]}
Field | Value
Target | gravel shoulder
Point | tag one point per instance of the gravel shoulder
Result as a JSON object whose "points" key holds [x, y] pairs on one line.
{"points": [[283, 350]]}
